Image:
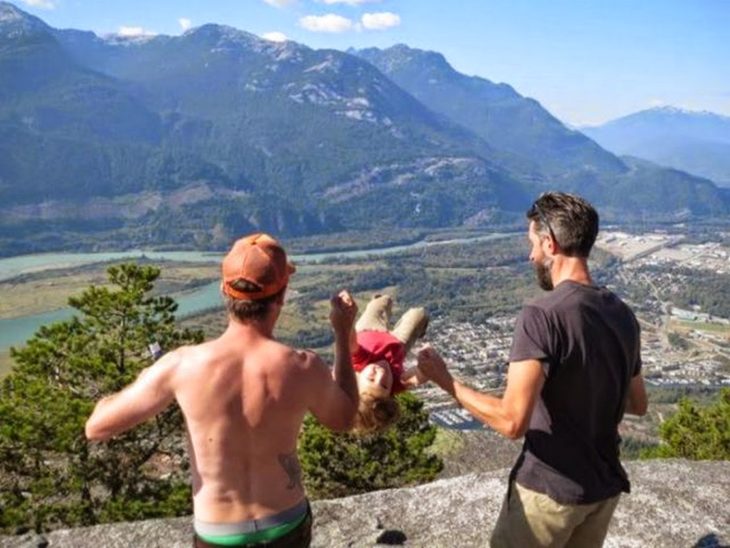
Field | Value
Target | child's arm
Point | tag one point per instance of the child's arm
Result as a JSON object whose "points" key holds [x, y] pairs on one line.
{"points": [[412, 377]]}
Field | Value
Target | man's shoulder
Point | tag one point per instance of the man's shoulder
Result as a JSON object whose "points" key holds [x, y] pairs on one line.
{"points": [[221, 350], [571, 301], [572, 294], [186, 359], [306, 358], [193, 353], [289, 356], [557, 296], [550, 307], [540, 307]]}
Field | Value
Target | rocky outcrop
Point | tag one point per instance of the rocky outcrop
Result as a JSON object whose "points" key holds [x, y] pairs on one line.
{"points": [[673, 503]]}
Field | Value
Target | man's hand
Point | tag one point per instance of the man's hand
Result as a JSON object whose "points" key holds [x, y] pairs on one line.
{"points": [[433, 367], [343, 310], [413, 377]]}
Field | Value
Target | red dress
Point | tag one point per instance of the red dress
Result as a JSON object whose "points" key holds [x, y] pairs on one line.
{"points": [[373, 346]]}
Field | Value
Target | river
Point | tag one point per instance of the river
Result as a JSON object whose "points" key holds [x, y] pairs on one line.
{"points": [[15, 331]]}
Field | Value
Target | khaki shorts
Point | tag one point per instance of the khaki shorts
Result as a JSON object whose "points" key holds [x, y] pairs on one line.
{"points": [[534, 519], [376, 317]]}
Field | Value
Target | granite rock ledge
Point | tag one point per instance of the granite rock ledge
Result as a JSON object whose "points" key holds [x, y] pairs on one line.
{"points": [[673, 503]]}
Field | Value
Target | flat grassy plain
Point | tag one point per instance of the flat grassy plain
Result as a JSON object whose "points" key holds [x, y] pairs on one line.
{"points": [[51, 289], [715, 328]]}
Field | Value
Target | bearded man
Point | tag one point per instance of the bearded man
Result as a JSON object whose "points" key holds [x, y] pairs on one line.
{"points": [[575, 369]]}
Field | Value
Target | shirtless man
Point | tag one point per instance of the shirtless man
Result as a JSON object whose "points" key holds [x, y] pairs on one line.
{"points": [[244, 396]]}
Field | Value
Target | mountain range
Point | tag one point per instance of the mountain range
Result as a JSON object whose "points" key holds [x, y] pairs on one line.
{"points": [[193, 139], [695, 142]]}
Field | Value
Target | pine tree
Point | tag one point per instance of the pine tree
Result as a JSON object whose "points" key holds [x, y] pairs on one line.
{"points": [[50, 475], [696, 432]]}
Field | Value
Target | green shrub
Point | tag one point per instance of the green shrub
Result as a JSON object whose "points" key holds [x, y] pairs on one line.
{"points": [[696, 432], [336, 465]]}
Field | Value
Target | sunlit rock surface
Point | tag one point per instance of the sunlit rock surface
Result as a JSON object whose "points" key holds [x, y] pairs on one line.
{"points": [[673, 503]]}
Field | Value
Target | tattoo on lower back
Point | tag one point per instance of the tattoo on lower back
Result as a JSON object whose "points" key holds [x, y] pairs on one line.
{"points": [[290, 463]]}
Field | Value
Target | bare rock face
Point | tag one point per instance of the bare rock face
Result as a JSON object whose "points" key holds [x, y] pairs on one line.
{"points": [[673, 503]]}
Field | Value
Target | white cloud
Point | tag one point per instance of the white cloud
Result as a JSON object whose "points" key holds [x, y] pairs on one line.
{"points": [[185, 23], [280, 3], [348, 2], [657, 103], [134, 32], [43, 4], [275, 36], [380, 21], [326, 23]]}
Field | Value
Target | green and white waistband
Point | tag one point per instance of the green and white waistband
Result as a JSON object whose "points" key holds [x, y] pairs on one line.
{"points": [[253, 530]]}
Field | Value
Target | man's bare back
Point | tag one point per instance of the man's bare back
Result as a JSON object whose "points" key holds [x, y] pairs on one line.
{"points": [[244, 396]]}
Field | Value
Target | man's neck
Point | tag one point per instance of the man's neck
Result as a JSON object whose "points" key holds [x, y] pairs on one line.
{"points": [[574, 269], [250, 329]]}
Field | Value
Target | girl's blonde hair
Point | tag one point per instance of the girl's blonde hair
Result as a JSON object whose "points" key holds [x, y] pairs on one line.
{"points": [[375, 414]]}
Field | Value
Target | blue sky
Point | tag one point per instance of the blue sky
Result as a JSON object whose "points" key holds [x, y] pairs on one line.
{"points": [[587, 61]]}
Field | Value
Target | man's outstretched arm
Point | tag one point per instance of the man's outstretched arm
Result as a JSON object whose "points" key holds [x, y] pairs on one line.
{"points": [[342, 318], [144, 398], [335, 397], [508, 415]]}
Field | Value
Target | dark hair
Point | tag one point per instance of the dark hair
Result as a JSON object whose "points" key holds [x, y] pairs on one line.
{"points": [[249, 311], [569, 219], [375, 414]]}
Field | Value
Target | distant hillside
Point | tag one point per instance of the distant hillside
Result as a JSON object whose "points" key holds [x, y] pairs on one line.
{"points": [[241, 134], [190, 140], [695, 142], [496, 112], [59, 119], [538, 143]]}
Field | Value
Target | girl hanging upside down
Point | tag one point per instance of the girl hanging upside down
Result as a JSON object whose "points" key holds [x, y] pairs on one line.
{"points": [[378, 357]]}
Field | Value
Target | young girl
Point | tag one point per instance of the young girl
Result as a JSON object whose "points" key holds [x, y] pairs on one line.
{"points": [[378, 357]]}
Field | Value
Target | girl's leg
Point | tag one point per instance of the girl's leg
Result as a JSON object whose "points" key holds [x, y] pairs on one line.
{"points": [[411, 326], [376, 315]]}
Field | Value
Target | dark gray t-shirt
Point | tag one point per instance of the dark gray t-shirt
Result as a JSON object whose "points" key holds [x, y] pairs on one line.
{"points": [[588, 342]]}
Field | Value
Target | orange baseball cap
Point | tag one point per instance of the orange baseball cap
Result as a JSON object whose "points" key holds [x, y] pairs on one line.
{"points": [[259, 260]]}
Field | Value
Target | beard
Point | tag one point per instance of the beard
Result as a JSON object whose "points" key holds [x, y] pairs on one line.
{"points": [[544, 279]]}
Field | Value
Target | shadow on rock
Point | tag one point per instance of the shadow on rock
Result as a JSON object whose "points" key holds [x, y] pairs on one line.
{"points": [[391, 537], [710, 541]]}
